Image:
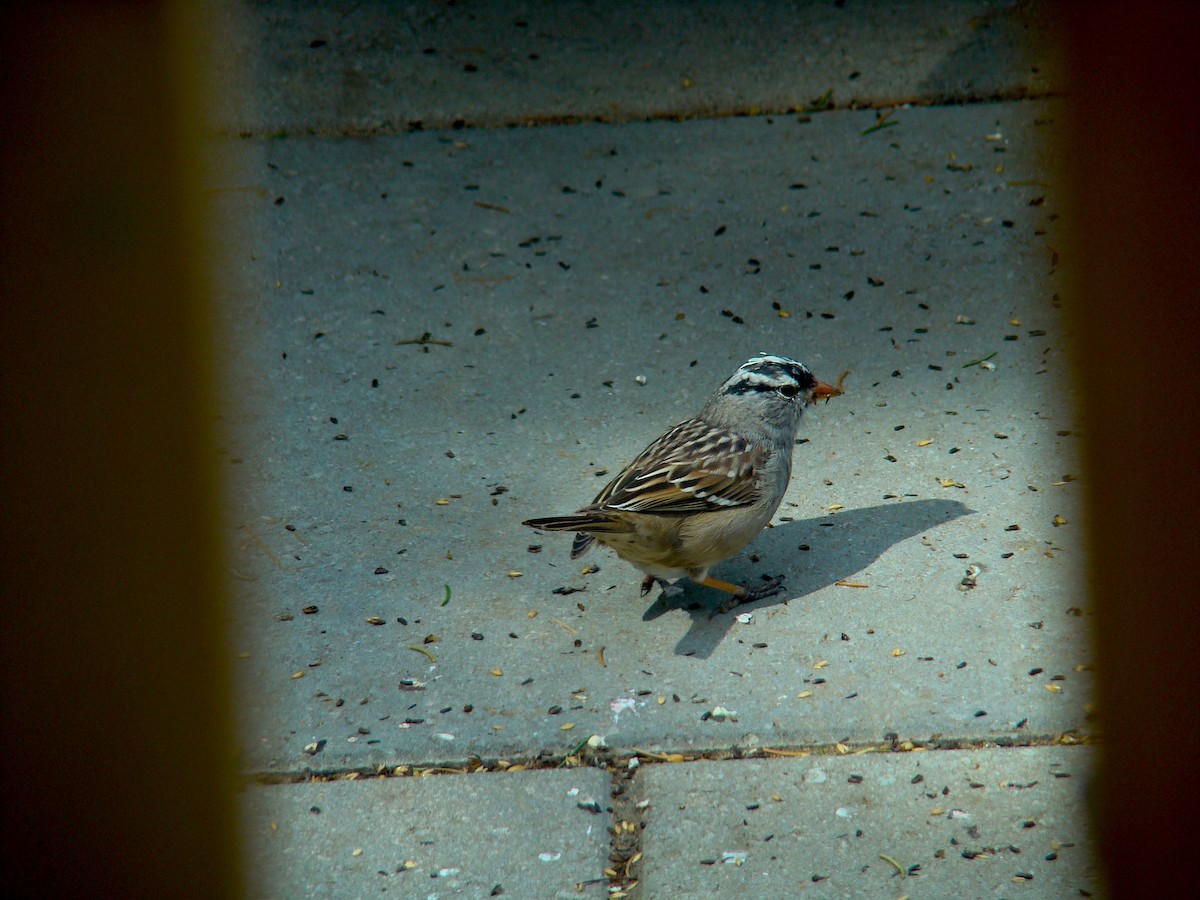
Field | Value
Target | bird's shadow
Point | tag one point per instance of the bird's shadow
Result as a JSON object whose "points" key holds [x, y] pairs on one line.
{"points": [[840, 545]]}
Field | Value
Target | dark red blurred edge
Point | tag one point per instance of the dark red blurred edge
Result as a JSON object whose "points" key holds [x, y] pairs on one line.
{"points": [[118, 768], [1131, 164]]}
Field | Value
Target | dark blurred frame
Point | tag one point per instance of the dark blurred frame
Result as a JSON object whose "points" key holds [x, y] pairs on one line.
{"points": [[1132, 164]]}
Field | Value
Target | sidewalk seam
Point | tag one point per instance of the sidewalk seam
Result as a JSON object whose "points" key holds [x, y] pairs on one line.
{"points": [[626, 819], [620, 759], [389, 128]]}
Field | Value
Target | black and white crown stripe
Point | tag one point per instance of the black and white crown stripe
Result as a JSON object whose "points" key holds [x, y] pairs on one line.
{"points": [[768, 373]]}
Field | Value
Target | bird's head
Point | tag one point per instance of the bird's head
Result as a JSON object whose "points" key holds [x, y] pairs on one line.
{"points": [[775, 388]]}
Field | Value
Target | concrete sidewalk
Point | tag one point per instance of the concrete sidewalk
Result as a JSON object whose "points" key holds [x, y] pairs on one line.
{"points": [[434, 334]]}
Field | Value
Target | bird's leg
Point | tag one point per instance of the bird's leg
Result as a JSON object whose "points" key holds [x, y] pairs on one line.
{"points": [[740, 595], [670, 591]]}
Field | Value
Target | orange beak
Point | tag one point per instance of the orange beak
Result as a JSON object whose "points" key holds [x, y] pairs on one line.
{"points": [[826, 392]]}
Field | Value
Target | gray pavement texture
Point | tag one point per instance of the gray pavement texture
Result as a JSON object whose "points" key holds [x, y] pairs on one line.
{"points": [[433, 335], [993, 823], [354, 68], [529, 834]]}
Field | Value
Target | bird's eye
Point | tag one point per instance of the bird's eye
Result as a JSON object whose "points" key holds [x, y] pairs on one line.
{"points": [[789, 390]]}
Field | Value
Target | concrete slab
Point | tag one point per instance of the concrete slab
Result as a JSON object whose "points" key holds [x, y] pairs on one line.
{"points": [[366, 67], [996, 823], [513, 834], [434, 336]]}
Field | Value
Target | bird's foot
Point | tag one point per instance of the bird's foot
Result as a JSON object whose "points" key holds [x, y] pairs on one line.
{"points": [[740, 594]]}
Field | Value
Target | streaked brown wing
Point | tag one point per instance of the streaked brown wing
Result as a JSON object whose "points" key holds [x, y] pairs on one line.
{"points": [[692, 468]]}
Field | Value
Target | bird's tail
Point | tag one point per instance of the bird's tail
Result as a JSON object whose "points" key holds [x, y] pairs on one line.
{"points": [[578, 522], [582, 543], [585, 525]]}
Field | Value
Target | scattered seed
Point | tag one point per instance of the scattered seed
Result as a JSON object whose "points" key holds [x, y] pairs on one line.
{"points": [[976, 362], [374, 620], [515, 574], [497, 672], [899, 868]]}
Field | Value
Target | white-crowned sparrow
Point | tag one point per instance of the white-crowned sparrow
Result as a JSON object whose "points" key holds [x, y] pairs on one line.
{"points": [[707, 486]]}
